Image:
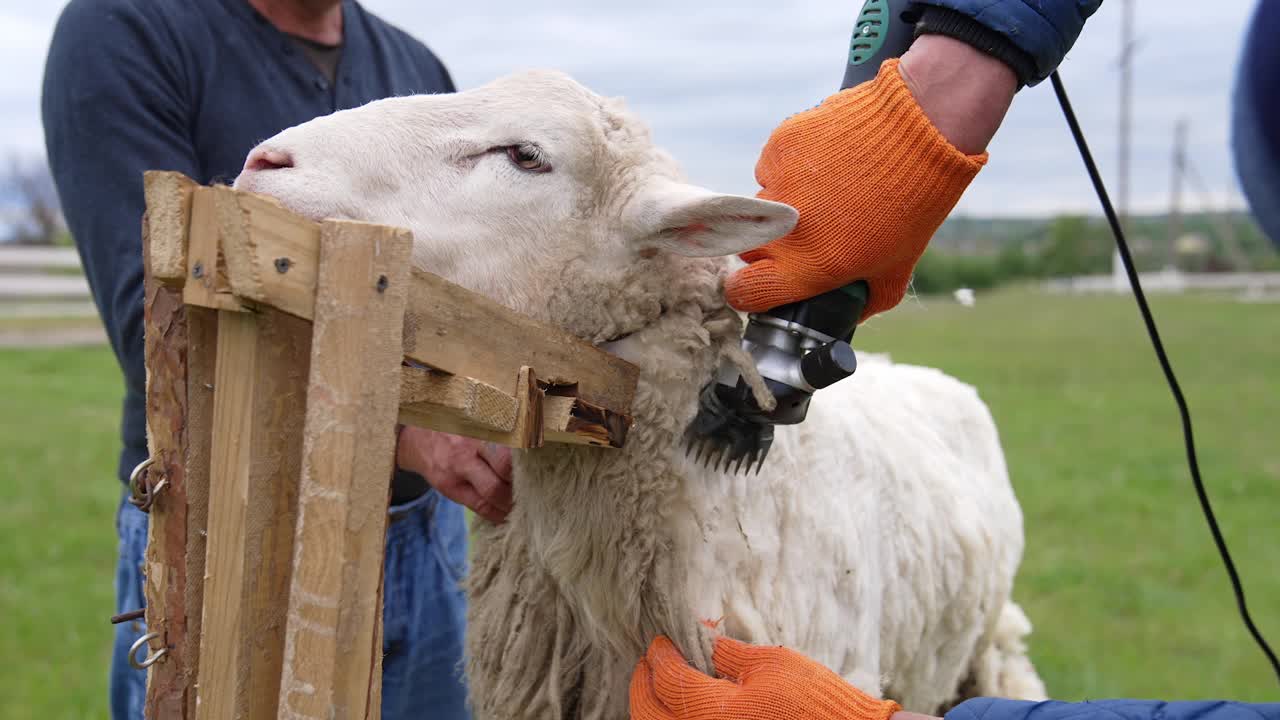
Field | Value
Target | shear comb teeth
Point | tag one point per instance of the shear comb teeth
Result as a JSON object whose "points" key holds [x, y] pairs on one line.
{"points": [[729, 454]]}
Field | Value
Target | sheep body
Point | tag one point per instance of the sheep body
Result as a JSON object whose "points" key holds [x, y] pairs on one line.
{"points": [[882, 536]]}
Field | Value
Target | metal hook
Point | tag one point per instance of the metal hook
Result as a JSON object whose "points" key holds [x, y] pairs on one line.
{"points": [[152, 494], [127, 616], [135, 478], [150, 659], [141, 494]]}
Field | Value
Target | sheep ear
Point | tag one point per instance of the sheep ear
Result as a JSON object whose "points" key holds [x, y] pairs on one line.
{"points": [[693, 221]]}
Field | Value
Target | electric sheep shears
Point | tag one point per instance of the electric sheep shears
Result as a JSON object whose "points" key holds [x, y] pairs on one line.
{"points": [[801, 347]]}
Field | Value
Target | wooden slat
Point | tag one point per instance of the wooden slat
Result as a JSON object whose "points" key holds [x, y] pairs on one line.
{"points": [[464, 398], [446, 326], [228, 494], [271, 254], [168, 196], [258, 405], [202, 352], [251, 250], [466, 406], [206, 282], [333, 649], [461, 332], [165, 340], [202, 250], [447, 408]]}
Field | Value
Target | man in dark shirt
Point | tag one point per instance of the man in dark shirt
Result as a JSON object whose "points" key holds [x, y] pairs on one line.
{"points": [[134, 85]]}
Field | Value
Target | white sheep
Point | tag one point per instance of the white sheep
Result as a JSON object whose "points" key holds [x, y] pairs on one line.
{"points": [[882, 536]]}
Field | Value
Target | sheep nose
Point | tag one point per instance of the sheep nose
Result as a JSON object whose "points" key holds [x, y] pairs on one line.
{"points": [[264, 159]]}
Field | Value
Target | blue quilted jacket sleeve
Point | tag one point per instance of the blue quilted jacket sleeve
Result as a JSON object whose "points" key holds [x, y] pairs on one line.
{"points": [[997, 709], [1042, 29], [1255, 118]]}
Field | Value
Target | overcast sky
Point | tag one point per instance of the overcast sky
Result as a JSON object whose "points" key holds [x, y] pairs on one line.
{"points": [[713, 78]]}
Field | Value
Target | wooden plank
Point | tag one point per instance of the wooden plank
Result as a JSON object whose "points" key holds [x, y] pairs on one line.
{"points": [[258, 405], [448, 403], [202, 249], [467, 399], [206, 282], [466, 406], [168, 197], [271, 253], [461, 332], [373, 705], [333, 648], [228, 494], [264, 253], [202, 350], [447, 327], [165, 343]]}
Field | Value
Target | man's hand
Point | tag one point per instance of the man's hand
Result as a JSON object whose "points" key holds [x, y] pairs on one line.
{"points": [[756, 683], [470, 472], [873, 171]]}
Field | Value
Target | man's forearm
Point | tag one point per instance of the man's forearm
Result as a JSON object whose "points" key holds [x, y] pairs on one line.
{"points": [[964, 92]]}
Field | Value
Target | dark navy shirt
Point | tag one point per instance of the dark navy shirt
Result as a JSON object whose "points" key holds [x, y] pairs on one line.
{"points": [[187, 85]]}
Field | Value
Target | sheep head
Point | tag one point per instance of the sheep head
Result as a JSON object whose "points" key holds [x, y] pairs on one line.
{"points": [[505, 184]]}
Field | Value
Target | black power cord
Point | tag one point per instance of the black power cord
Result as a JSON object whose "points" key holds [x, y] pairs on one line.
{"points": [[1150, 321]]}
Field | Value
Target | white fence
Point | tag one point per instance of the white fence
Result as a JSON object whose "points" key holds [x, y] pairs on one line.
{"points": [[44, 299], [41, 274], [22, 257], [1172, 281]]}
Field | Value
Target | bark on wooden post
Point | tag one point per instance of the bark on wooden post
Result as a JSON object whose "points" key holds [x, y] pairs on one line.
{"points": [[165, 322], [259, 402], [333, 645]]}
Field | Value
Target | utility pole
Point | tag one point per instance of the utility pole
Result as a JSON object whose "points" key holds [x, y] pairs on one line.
{"points": [[1175, 189], [1126, 96], [1185, 172], [1220, 219]]}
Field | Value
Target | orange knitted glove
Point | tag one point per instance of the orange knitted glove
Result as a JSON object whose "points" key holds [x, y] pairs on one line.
{"points": [[872, 179], [759, 683]]}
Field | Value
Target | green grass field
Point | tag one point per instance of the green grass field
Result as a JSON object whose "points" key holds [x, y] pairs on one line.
{"points": [[1119, 576], [59, 418]]}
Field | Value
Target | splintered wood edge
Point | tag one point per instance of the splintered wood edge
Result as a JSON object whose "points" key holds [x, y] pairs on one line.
{"points": [[468, 399], [168, 202], [466, 406], [236, 244], [574, 421], [528, 429], [457, 405]]}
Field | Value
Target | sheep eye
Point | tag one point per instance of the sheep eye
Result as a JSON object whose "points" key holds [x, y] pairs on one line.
{"points": [[528, 157]]}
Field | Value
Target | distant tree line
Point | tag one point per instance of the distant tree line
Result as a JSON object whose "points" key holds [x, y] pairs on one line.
{"points": [[32, 214], [981, 254]]}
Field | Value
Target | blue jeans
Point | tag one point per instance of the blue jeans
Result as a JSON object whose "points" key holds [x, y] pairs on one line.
{"points": [[424, 612]]}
